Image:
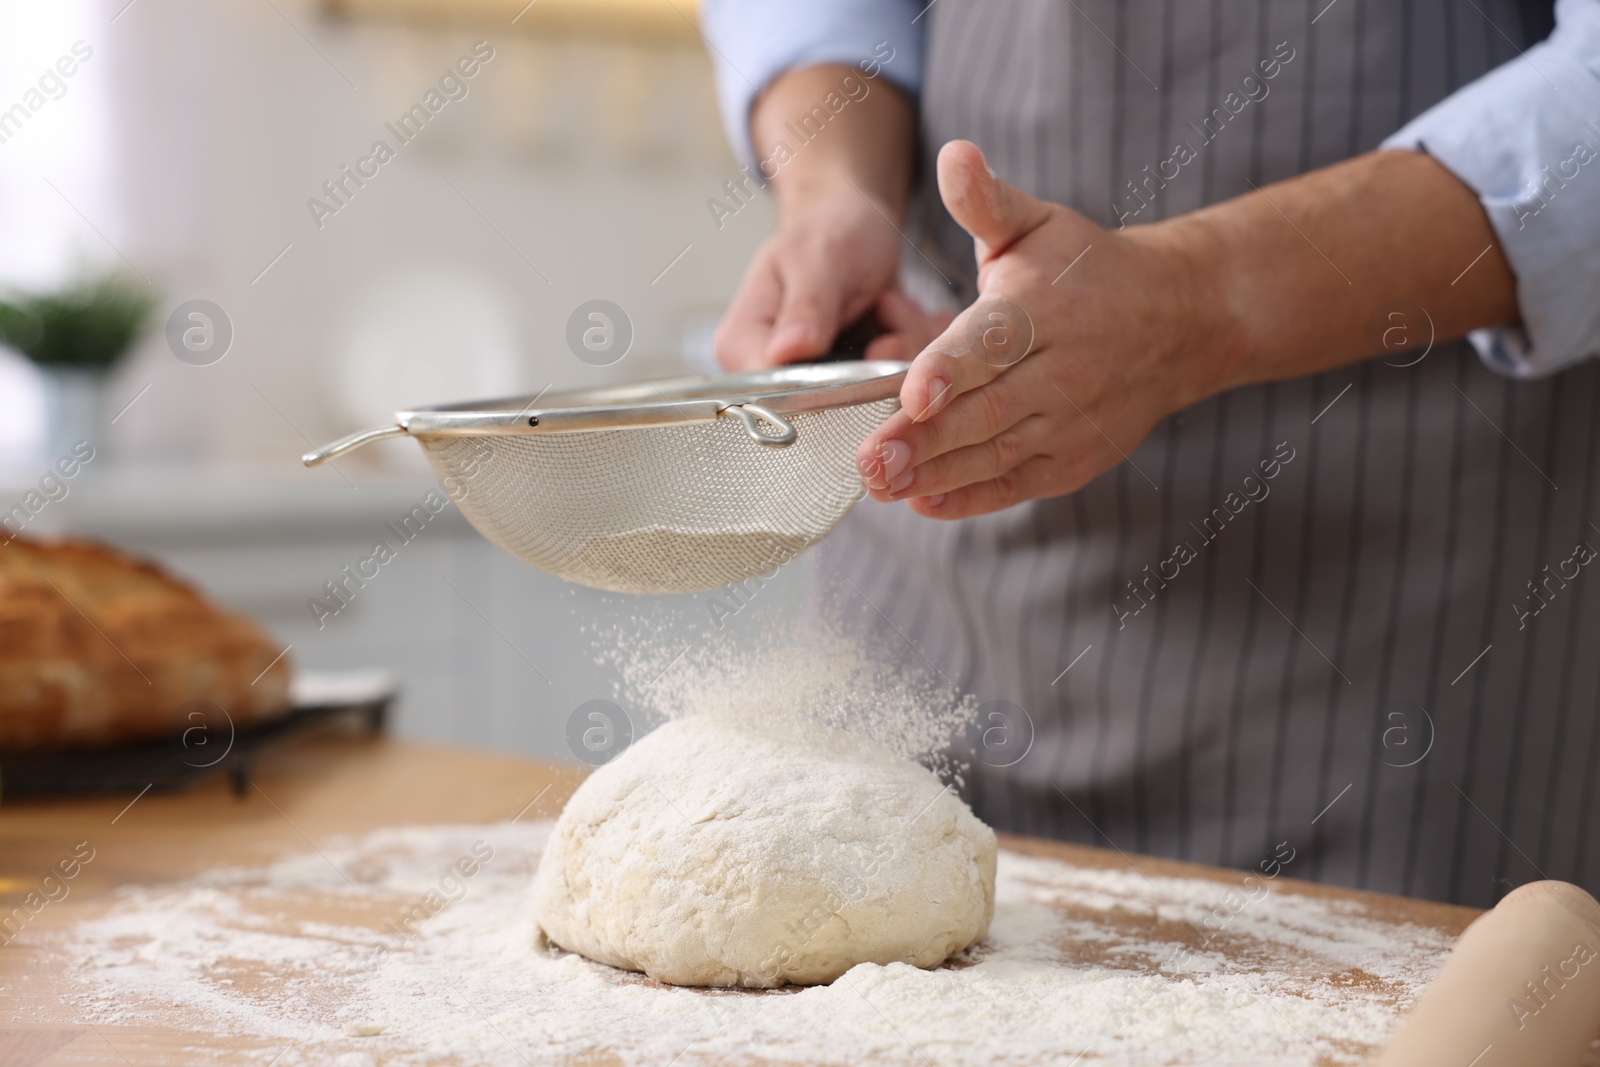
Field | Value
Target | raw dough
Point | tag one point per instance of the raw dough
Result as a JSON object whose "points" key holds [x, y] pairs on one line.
{"points": [[721, 852]]}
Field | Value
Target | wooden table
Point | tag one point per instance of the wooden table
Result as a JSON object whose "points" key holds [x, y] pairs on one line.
{"points": [[307, 790]]}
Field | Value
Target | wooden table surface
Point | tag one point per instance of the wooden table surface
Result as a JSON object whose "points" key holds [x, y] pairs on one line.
{"points": [[305, 791]]}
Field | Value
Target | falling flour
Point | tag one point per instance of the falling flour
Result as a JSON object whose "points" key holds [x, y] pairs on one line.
{"points": [[805, 673], [296, 961]]}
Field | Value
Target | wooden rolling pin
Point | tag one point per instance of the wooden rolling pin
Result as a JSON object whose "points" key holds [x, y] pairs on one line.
{"points": [[1522, 988]]}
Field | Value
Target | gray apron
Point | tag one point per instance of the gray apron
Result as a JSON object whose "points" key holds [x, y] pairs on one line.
{"points": [[1313, 671]]}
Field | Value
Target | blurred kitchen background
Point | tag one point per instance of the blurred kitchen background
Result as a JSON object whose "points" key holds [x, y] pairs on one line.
{"points": [[182, 152]]}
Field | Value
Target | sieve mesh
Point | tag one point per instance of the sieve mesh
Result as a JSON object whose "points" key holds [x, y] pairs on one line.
{"points": [[661, 509]]}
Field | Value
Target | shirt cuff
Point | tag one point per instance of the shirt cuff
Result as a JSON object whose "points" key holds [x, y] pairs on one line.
{"points": [[1526, 138], [754, 41]]}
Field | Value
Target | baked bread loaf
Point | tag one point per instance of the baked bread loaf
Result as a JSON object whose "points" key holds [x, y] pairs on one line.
{"points": [[98, 647]]}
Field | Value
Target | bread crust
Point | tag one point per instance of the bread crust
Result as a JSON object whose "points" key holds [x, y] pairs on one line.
{"points": [[98, 646]]}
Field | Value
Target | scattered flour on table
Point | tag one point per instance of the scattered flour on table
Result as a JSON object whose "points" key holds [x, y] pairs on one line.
{"points": [[289, 954]]}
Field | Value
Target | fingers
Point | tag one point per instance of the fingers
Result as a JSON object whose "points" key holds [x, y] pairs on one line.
{"points": [[892, 346], [908, 327], [996, 213], [742, 336], [975, 463], [789, 308], [979, 345], [810, 313], [887, 457], [900, 314], [1028, 480]]}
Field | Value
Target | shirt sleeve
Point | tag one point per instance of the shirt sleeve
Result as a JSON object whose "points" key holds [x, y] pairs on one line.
{"points": [[754, 41], [1526, 138]]}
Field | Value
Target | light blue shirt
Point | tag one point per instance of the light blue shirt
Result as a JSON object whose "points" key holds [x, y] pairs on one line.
{"points": [[1525, 137], [754, 41]]}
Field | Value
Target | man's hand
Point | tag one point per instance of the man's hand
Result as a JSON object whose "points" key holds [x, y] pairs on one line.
{"points": [[1129, 326], [1111, 317], [831, 261], [841, 195]]}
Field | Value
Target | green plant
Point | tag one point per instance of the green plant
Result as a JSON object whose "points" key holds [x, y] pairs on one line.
{"points": [[87, 324]]}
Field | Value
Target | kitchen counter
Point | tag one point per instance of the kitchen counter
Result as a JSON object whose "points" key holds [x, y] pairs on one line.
{"points": [[334, 784]]}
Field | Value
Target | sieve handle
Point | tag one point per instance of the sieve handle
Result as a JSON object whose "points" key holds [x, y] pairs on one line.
{"points": [[349, 444], [752, 415]]}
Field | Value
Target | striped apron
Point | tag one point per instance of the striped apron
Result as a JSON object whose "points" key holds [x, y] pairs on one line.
{"points": [[1382, 659]]}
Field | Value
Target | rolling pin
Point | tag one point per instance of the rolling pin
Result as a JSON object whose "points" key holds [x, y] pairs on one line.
{"points": [[1521, 988]]}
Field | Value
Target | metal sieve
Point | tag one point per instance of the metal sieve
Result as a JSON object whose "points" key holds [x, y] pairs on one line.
{"points": [[661, 487]]}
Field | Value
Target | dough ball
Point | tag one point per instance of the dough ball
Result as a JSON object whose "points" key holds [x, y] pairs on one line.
{"points": [[726, 853]]}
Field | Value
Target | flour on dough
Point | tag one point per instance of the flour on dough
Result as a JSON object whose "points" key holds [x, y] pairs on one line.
{"points": [[723, 852]]}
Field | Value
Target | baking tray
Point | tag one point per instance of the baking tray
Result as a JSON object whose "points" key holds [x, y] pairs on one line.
{"points": [[179, 760]]}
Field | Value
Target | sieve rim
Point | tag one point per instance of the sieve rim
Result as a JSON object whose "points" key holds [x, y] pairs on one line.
{"points": [[781, 391], [790, 390]]}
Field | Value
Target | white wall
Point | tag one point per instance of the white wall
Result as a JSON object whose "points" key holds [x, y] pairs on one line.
{"points": [[198, 131]]}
